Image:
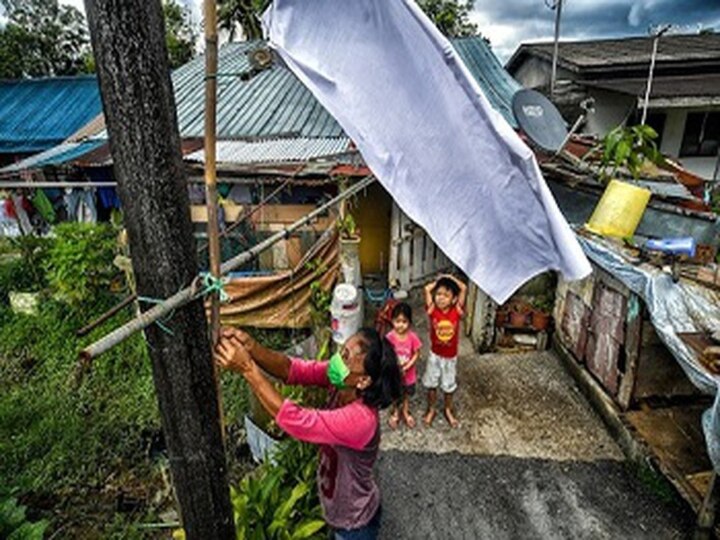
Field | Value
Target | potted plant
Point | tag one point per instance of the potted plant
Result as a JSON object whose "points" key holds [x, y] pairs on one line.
{"points": [[541, 312], [349, 249], [519, 314]]}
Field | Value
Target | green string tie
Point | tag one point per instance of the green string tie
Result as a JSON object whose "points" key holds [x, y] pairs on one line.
{"points": [[159, 322], [213, 284]]}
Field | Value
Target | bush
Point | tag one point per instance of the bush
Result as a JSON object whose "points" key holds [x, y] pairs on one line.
{"points": [[14, 524], [279, 499], [80, 261]]}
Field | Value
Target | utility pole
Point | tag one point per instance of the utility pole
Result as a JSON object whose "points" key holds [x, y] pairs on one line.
{"points": [[128, 39], [557, 6], [656, 40]]}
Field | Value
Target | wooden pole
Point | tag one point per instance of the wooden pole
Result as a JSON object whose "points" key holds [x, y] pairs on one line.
{"points": [[128, 40], [211, 64], [192, 292]]}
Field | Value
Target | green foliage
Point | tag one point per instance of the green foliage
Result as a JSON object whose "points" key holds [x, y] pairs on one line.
{"points": [[14, 524], [80, 261], [45, 38], [347, 226], [452, 17], [628, 147], [42, 38], [180, 33], [320, 299], [279, 499], [244, 14], [53, 435]]}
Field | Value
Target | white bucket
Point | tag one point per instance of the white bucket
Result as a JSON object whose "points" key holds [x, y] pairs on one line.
{"points": [[345, 312]]}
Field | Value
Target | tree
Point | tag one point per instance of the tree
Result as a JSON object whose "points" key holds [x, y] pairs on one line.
{"points": [[244, 14], [452, 17], [45, 39], [139, 106], [180, 33], [42, 38]]}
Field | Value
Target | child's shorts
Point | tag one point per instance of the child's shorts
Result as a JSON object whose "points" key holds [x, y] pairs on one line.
{"points": [[441, 372]]}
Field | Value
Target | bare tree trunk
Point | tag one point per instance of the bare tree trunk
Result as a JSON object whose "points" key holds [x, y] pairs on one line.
{"points": [[128, 41]]}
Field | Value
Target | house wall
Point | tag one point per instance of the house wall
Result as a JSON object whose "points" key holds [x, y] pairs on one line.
{"points": [[672, 140], [535, 73]]}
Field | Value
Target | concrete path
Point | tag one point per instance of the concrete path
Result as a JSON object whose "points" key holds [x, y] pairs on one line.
{"points": [[530, 459]]}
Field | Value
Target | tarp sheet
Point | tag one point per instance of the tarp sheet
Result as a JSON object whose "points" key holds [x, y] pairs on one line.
{"points": [[674, 308], [427, 131], [282, 300]]}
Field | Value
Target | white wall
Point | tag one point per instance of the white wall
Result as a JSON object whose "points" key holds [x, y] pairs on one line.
{"points": [[672, 140]]}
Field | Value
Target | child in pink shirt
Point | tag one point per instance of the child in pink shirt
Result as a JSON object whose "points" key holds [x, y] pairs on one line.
{"points": [[407, 348]]}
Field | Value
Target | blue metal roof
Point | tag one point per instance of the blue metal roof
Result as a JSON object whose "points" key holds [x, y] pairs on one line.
{"points": [[37, 114], [275, 102], [497, 84]]}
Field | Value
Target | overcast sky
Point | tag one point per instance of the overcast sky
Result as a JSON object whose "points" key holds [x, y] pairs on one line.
{"points": [[510, 22]]}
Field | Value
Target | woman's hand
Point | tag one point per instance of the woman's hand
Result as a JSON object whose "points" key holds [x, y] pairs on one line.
{"points": [[231, 354], [238, 336]]}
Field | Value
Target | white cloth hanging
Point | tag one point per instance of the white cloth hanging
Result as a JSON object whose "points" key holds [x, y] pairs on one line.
{"points": [[430, 136]]}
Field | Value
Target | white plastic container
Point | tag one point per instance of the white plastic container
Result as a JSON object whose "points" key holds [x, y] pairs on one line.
{"points": [[345, 312]]}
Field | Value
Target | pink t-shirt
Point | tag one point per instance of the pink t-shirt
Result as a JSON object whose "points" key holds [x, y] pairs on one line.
{"points": [[349, 438], [405, 349]]}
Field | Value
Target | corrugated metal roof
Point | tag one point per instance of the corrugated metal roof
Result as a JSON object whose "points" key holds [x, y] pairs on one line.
{"points": [[275, 102], [275, 150], [272, 103], [37, 114], [497, 84], [56, 155]]}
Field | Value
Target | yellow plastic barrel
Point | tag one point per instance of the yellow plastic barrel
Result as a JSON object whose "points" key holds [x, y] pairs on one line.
{"points": [[619, 211]]}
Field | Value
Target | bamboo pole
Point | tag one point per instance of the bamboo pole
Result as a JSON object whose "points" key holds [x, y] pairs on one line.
{"points": [[211, 63], [194, 291]]}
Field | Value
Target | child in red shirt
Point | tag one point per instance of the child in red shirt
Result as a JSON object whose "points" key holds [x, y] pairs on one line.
{"points": [[406, 344], [445, 301]]}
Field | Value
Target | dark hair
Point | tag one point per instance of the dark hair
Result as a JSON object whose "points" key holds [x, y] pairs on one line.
{"points": [[448, 284], [403, 309], [382, 367]]}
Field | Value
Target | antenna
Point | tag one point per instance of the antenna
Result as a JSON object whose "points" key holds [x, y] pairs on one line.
{"points": [[540, 120]]}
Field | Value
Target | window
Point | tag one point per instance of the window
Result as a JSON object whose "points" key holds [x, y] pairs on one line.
{"points": [[702, 134]]}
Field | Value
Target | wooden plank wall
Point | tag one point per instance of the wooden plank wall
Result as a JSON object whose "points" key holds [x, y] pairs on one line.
{"points": [[414, 257]]}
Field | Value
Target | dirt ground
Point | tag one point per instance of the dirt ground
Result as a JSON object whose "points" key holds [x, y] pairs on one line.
{"points": [[530, 459]]}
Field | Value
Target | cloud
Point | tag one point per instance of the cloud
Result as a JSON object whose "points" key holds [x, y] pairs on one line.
{"points": [[508, 23]]}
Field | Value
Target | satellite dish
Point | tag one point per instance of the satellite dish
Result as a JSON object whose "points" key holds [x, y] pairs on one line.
{"points": [[260, 58], [540, 120]]}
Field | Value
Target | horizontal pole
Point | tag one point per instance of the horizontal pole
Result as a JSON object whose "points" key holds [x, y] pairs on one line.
{"points": [[194, 291]]}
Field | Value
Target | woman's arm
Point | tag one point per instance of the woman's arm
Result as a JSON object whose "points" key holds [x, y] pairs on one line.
{"points": [[230, 355], [275, 363]]}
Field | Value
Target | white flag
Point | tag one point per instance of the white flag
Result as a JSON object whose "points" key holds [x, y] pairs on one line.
{"points": [[423, 126]]}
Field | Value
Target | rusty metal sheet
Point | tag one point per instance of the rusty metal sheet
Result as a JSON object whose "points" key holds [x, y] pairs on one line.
{"points": [[573, 328], [606, 336]]}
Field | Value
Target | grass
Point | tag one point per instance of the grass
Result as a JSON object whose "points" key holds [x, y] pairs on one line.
{"points": [[69, 451]]}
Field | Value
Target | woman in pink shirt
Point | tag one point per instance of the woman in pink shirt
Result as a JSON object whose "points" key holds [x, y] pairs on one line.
{"points": [[362, 378]]}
